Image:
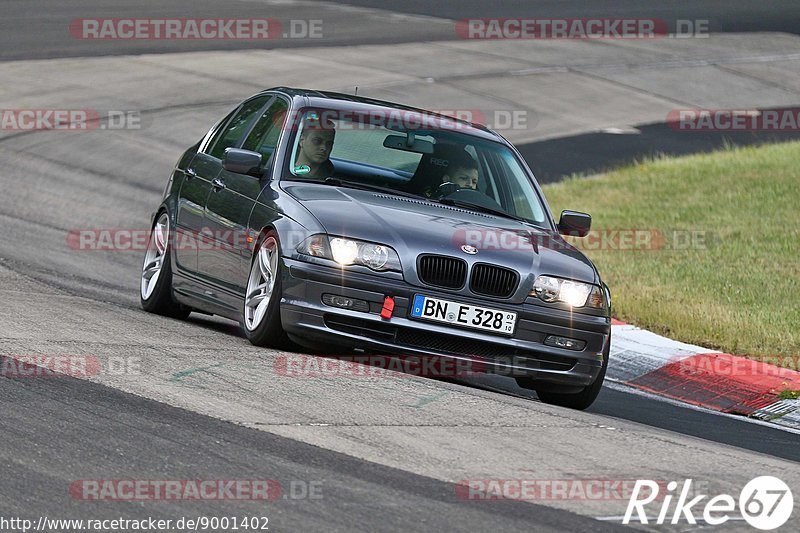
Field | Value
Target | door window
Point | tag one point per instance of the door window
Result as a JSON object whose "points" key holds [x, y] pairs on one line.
{"points": [[238, 126], [264, 137]]}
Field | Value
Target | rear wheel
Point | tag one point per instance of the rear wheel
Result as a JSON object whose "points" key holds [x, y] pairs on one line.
{"points": [[261, 320], [156, 281], [581, 399]]}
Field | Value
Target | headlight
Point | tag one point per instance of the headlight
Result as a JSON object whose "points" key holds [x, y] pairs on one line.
{"points": [[574, 293], [346, 252], [375, 256]]}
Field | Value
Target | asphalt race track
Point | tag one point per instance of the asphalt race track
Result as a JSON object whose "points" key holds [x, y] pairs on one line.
{"points": [[724, 16], [194, 400], [378, 22], [93, 422]]}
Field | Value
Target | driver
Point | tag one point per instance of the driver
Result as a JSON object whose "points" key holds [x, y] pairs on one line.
{"points": [[463, 171], [314, 148]]}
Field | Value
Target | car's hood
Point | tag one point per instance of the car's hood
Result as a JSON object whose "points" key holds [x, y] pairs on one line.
{"points": [[413, 227]]}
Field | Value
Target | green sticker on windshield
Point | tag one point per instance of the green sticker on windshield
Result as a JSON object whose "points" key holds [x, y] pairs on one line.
{"points": [[302, 169]]}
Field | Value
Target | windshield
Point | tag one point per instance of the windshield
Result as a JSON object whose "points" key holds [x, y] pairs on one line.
{"points": [[390, 151]]}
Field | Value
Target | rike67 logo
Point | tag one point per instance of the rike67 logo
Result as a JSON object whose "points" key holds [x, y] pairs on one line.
{"points": [[765, 503]]}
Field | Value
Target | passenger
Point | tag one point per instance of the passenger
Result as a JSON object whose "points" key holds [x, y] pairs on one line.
{"points": [[314, 149]]}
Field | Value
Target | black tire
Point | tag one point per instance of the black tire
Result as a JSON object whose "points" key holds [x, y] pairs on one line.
{"points": [[576, 400], [160, 300], [269, 331]]}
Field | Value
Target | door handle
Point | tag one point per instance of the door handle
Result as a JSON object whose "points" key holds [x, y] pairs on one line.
{"points": [[217, 184], [190, 173]]}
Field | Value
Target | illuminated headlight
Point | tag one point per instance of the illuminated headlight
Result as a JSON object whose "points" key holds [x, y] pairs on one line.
{"points": [[347, 252], [573, 293]]}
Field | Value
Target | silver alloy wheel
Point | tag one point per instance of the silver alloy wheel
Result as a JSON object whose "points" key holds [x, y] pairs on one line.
{"points": [[155, 256], [261, 283]]}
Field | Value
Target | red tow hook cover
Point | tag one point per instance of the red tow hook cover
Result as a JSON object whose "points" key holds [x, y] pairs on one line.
{"points": [[388, 308]]}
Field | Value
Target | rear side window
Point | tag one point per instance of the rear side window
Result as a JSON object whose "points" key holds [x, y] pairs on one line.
{"points": [[233, 132], [264, 136]]}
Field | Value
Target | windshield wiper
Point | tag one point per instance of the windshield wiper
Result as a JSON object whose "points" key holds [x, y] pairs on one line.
{"points": [[481, 208], [368, 187]]}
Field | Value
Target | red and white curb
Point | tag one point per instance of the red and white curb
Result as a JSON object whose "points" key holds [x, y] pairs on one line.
{"points": [[701, 377]]}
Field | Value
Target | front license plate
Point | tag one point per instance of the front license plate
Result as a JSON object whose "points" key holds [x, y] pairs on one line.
{"points": [[471, 316]]}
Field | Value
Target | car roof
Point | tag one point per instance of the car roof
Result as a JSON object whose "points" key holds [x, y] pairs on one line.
{"points": [[341, 101]]}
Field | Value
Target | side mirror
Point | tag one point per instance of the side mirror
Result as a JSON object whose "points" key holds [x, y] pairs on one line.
{"points": [[241, 161], [574, 224]]}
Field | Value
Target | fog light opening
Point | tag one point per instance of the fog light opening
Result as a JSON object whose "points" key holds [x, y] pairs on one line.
{"points": [[345, 302], [564, 342]]}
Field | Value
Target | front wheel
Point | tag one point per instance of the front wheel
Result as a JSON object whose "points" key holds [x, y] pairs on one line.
{"points": [[156, 281], [581, 399], [261, 320]]}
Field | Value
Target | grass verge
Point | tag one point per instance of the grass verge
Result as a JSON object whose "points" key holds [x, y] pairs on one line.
{"points": [[718, 257]]}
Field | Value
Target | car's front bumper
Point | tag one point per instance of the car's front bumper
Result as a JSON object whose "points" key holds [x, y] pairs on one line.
{"points": [[310, 322]]}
